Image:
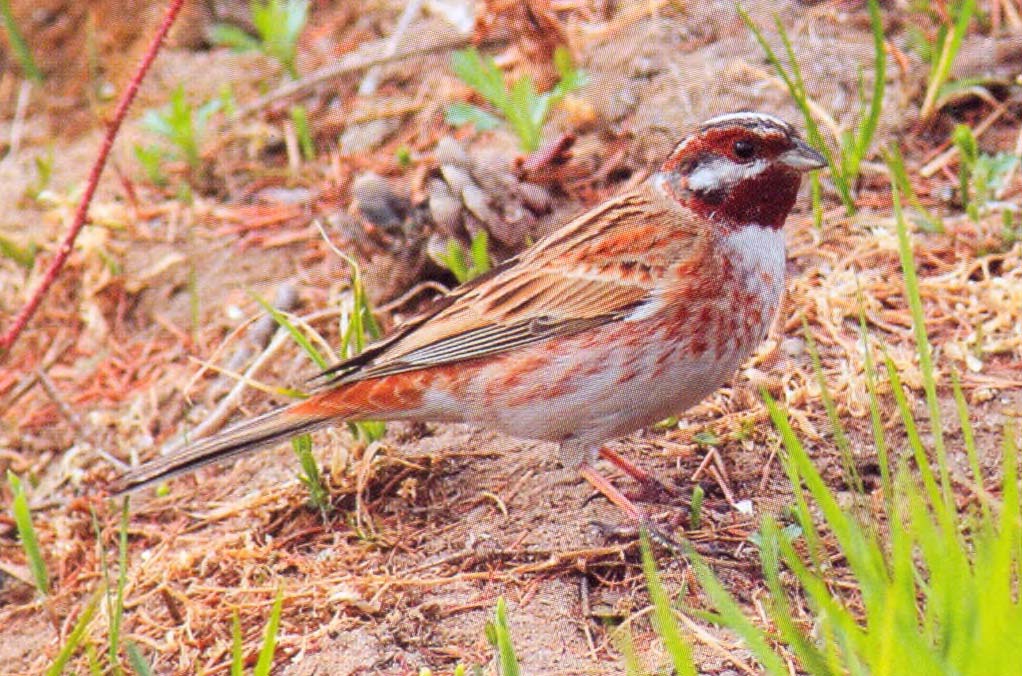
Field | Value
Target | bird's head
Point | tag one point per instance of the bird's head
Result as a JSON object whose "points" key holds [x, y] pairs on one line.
{"points": [[739, 169]]}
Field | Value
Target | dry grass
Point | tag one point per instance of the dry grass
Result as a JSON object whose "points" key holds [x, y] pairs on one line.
{"points": [[433, 523]]}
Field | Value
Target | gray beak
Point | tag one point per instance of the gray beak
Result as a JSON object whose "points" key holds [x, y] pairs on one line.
{"points": [[803, 157]]}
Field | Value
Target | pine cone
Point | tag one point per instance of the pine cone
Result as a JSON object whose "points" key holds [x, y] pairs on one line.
{"points": [[468, 191]]}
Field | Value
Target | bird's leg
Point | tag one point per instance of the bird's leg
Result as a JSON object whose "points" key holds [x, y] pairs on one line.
{"points": [[648, 482], [633, 511]]}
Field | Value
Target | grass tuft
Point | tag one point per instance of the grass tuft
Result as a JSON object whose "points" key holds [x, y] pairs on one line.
{"points": [[854, 145], [499, 635], [74, 639], [26, 532], [265, 661], [950, 42], [524, 109]]}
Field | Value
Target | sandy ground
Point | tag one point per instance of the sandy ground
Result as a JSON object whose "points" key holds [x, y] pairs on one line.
{"points": [[431, 524]]}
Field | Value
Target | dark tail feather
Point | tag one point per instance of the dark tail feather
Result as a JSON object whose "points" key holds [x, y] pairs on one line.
{"points": [[246, 437]]}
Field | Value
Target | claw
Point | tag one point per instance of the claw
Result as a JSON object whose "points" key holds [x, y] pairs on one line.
{"points": [[633, 511]]}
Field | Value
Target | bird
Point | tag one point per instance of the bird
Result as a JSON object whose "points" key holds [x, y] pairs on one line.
{"points": [[631, 312]]}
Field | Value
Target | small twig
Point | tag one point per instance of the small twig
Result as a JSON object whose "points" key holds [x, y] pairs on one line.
{"points": [[57, 399], [372, 78], [412, 293], [29, 380], [23, 317], [216, 419], [367, 57], [18, 124]]}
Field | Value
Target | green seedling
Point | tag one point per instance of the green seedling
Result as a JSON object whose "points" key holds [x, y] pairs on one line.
{"points": [[896, 165], [181, 125], [43, 175], [854, 144], [151, 158], [980, 174], [26, 533], [319, 496], [74, 639], [360, 327], [403, 156], [278, 24], [269, 647], [950, 41], [301, 121], [695, 510], [478, 261], [498, 633], [522, 107], [22, 255]]}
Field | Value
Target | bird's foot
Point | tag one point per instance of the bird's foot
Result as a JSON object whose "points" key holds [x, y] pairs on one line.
{"points": [[651, 489], [636, 514]]}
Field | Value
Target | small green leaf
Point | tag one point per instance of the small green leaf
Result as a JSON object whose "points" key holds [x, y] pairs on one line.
{"points": [[502, 639], [229, 35], [460, 114], [481, 74], [480, 253], [137, 660], [265, 661], [237, 647], [26, 531], [706, 438], [22, 255]]}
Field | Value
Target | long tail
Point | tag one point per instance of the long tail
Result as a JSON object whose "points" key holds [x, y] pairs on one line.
{"points": [[389, 398], [251, 435]]}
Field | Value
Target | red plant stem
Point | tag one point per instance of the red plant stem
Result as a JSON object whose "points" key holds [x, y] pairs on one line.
{"points": [[11, 335]]}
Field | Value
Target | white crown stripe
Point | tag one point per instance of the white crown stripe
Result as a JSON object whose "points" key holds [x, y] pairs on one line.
{"points": [[748, 119]]}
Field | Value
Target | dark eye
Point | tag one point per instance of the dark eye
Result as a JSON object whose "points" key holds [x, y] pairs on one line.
{"points": [[744, 149]]}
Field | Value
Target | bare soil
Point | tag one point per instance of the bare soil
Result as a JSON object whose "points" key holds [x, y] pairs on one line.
{"points": [[434, 522]]}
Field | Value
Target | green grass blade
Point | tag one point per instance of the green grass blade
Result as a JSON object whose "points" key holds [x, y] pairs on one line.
{"points": [[663, 616], [912, 432], [948, 51], [899, 175], [237, 647], [480, 253], [300, 118], [295, 333], [811, 658], [26, 533], [730, 615], [922, 346], [137, 660], [625, 644], [876, 418], [122, 579], [867, 128], [265, 661], [19, 45], [852, 478], [74, 639], [863, 555], [505, 648], [969, 441]]}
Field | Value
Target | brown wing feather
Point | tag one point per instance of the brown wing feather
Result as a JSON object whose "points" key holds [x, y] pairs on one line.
{"points": [[595, 269]]}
